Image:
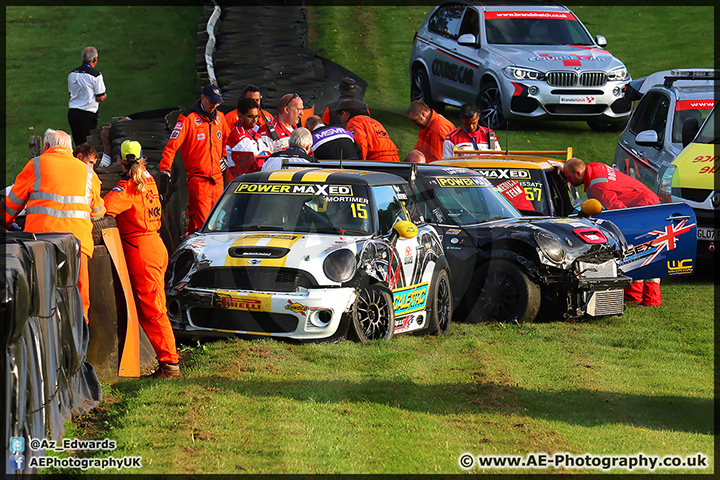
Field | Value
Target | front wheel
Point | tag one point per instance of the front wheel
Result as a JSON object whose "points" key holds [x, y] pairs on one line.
{"points": [[373, 317], [489, 105], [440, 305], [505, 294], [420, 88]]}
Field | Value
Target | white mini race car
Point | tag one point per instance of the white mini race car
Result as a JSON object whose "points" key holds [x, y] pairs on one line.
{"points": [[310, 254]]}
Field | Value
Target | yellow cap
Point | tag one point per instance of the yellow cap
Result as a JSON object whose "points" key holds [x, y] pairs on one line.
{"points": [[130, 147]]}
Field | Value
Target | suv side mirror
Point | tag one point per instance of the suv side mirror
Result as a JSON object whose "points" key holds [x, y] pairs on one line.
{"points": [[647, 138], [689, 130], [601, 41], [467, 40]]}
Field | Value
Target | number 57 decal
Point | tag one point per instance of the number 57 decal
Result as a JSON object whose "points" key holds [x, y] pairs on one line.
{"points": [[532, 192]]}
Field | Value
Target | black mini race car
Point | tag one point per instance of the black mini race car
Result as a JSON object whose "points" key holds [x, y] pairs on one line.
{"points": [[510, 268]]}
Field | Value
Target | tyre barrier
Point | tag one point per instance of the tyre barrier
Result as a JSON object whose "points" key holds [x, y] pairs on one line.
{"points": [[47, 377]]}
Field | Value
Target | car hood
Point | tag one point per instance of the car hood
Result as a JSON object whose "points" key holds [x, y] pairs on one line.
{"points": [[695, 168], [272, 249], [524, 228], [557, 57]]}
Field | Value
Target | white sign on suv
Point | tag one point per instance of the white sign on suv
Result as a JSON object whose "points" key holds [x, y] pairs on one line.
{"points": [[515, 60]]}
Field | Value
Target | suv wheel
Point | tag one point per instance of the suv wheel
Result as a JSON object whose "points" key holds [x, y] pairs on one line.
{"points": [[490, 106], [420, 88]]}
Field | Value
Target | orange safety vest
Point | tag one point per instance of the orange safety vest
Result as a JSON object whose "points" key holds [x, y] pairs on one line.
{"points": [[431, 137], [201, 142], [60, 194], [137, 213]]}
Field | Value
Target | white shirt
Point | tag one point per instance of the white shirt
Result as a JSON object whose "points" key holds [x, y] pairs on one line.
{"points": [[84, 83]]}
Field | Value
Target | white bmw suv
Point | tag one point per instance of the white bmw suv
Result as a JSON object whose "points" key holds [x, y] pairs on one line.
{"points": [[523, 60]]}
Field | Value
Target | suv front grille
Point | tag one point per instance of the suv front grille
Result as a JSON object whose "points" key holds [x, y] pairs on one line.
{"points": [[571, 79], [265, 279]]}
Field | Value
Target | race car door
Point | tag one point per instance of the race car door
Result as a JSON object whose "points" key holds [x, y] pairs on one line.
{"points": [[662, 239]]}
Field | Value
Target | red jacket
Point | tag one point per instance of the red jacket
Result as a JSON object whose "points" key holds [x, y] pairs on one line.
{"points": [[136, 213], [231, 118], [431, 137], [245, 151], [613, 189], [373, 139], [201, 139], [283, 136], [464, 140]]}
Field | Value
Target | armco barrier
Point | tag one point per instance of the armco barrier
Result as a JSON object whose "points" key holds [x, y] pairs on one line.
{"points": [[46, 377]]}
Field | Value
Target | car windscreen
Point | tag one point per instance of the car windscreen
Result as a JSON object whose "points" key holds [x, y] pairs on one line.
{"points": [[707, 133], [531, 181], [469, 200], [534, 28], [686, 109], [293, 207]]}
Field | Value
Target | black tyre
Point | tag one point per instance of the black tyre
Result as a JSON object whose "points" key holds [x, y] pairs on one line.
{"points": [[489, 105], [440, 305], [373, 317], [420, 87], [505, 294]]}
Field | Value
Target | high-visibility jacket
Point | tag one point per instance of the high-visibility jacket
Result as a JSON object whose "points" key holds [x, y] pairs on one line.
{"points": [[373, 139], [464, 140], [231, 118], [60, 194], [431, 137], [613, 189], [136, 213], [201, 138]]}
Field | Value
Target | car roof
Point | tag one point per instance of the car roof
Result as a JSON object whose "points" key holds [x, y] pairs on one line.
{"points": [[514, 4], [324, 175], [684, 87], [495, 161]]}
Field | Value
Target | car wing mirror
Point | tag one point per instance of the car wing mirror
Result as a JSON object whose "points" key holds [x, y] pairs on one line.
{"points": [[405, 229], [601, 41], [689, 130], [647, 138], [467, 40], [591, 207]]}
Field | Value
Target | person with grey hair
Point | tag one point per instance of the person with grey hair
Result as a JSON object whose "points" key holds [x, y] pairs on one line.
{"points": [[60, 194], [87, 90], [298, 151]]}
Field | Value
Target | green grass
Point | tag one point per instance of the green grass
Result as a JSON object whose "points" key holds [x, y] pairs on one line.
{"points": [[146, 56], [641, 382]]}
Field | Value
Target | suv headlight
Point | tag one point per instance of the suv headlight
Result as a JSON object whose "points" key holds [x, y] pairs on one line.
{"points": [[618, 74], [665, 177], [550, 245], [340, 265], [517, 73]]}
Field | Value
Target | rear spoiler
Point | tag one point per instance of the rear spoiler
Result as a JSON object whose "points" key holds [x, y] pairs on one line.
{"points": [[567, 153]]}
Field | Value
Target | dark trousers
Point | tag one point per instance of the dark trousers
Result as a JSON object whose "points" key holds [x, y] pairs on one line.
{"points": [[81, 122]]}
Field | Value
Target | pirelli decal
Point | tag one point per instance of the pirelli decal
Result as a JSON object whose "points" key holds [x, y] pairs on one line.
{"points": [[250, 303], [295, 189], [282, 240], [410, 299], [462, 181]]}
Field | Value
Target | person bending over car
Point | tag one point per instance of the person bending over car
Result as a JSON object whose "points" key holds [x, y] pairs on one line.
{"points": [[370, 135], [615, 190]]}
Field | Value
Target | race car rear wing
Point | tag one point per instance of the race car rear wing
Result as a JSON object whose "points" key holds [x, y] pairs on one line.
{"points": [[567, 153]]}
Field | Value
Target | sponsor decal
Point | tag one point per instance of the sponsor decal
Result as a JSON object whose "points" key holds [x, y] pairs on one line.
{"points": [[254, 262], [586, 100], [233, 301], [296, 307], [403, 323], [298, 189], [455, 171], [453, 71], [175, 134], [198, 121], [682, 267], [528, 14], [272, 236], [706, 104], [218, 134], [117, 188], [462, 182], [410, 299], [504, 173], [453, 231], [201, 136], [665, 240], [178, 126]]}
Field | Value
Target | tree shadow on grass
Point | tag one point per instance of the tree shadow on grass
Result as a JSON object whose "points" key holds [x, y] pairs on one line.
{"points": [[582, 407]]}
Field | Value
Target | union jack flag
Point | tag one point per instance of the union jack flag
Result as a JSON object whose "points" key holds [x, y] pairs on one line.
{"points": [[667, 239]]}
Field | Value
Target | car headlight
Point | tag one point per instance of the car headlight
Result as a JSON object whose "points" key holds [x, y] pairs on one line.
{"points": [[517, 73], [340, 265], [618, 74], [550, 245], [665, 177]]}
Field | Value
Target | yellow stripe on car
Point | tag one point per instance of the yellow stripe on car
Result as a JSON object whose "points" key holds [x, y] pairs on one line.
{"points": [[282, 240]]}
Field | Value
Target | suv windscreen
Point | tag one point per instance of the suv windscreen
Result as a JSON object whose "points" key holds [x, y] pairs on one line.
{"points": [[535, 28], [293, 207], [707, 133], [469, 200]]}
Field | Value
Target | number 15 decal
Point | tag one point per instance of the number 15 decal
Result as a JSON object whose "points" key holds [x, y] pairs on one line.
{"points": [[359, 210]]}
